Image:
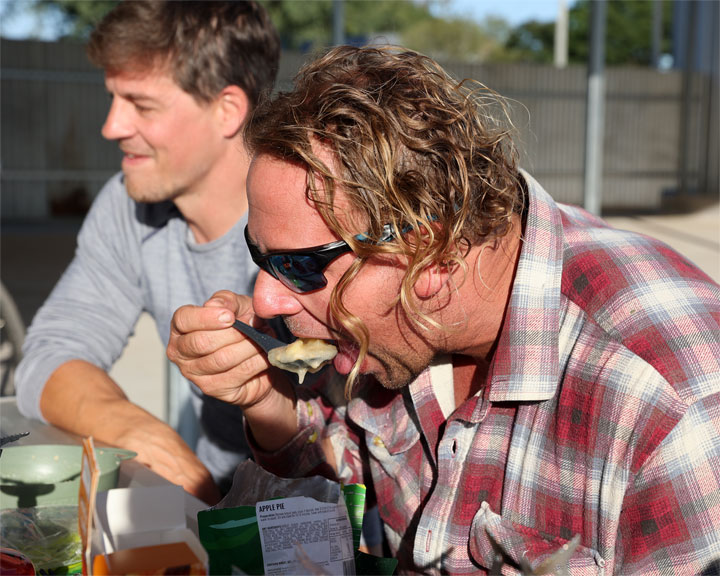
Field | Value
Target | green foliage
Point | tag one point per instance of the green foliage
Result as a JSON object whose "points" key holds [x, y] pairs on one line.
{"points": [[456, 39], [307, 25], [628, 38], [629, 31], [301, 23], [531, 42]]}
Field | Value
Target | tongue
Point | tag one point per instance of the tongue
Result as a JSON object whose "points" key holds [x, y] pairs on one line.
{"points": [[345, 358]]}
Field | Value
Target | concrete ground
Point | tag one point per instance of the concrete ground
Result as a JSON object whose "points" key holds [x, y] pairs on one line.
{"points": [[32, 259]]}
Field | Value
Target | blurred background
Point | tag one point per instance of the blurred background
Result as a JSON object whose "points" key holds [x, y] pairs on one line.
{"points": [[615, 102]]}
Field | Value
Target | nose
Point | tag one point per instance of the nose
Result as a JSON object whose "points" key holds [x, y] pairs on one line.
{"points": [[117, 124], [271, 298]]}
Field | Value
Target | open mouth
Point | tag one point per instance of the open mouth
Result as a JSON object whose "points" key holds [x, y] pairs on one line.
{"points": [[302, 356]]}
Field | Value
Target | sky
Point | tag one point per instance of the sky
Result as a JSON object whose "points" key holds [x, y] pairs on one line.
{"points": [[513, 11]]}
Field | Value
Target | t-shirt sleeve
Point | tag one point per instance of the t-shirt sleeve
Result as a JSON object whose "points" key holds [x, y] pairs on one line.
{"points": [[93, 309]]}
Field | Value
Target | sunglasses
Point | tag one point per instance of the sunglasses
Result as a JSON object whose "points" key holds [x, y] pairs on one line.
{"points": [[303, 270]]}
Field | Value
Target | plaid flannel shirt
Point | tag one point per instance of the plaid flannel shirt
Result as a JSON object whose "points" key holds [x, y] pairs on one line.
{"points": [[601, 418]]}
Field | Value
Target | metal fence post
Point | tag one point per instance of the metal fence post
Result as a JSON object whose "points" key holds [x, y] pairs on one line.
{"points": [[595, 110]]}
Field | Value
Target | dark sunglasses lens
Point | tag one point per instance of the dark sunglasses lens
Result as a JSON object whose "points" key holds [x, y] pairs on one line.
{"points": [[299, 272]]}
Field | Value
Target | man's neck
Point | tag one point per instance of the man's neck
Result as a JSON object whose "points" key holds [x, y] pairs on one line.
{"points": [[212, 218], [484, 298], [468, 377], [216, 204]]}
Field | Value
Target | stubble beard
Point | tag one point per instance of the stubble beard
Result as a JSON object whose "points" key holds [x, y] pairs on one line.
{"points": [[147, 190], [397, 373]]}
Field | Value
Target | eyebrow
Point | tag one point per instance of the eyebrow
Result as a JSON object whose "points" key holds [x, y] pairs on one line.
{"points": [[133, 97]]}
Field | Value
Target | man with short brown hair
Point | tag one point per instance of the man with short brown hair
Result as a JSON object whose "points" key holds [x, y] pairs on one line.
{"points": [[184, 77]]}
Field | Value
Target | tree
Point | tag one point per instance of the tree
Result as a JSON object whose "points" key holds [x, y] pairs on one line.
{"points": [[307, 25], [628, 37], [629, 31], [457, 39], [531, 41]]}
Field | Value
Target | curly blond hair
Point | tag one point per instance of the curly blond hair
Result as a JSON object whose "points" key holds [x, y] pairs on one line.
{"points": [[412, 148]]}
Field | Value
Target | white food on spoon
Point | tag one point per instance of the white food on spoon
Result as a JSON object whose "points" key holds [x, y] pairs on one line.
{"points": [[302, 356]]}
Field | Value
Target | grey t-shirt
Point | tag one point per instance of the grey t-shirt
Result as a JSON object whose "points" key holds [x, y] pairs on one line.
{"points": [[130, 258]]}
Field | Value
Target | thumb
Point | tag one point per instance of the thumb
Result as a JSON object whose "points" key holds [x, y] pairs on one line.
{"points": [[238, 304], [223, 299]]}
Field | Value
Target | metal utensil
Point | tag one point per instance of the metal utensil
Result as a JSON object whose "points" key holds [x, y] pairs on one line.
{"points": [[297, 364], [263, 340], [12, 438]]}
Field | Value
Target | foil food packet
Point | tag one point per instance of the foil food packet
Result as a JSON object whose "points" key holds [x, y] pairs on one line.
{"points": [[272, 525]]}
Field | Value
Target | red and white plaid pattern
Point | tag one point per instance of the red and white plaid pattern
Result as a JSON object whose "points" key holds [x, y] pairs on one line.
{"points": [[601, 418]]}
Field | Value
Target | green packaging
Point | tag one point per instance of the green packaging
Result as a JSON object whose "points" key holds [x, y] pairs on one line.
{"points": [[232, 538]]}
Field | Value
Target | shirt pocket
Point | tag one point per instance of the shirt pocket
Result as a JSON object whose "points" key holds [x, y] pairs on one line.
{"points": [[491, 536]]}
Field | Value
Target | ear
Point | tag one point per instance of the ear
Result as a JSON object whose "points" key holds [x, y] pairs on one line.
{"points": [[431, 281], [233, 107]]}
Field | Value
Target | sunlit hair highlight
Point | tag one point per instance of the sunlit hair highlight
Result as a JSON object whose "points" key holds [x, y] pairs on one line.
{"points": [[412, 148]]}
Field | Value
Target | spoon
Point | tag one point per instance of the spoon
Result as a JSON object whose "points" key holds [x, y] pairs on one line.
{"points": [[263, 340], [12, 438], [307, 355]]}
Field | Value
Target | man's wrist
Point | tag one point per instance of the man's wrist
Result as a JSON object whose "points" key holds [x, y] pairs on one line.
{"points": [[273, 419]]}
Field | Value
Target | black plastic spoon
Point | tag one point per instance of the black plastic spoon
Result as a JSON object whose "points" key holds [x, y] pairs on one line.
{"points": [[263, 340], [299, 364]]}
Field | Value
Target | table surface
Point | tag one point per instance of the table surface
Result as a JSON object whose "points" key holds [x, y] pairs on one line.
{"points": [[12, 422], [132, 473]]}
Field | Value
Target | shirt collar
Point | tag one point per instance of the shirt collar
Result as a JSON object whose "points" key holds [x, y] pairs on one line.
{"points": [[526, 363]]}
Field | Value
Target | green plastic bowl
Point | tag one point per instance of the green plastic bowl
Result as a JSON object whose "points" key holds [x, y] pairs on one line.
{"points": [[49, 474]]}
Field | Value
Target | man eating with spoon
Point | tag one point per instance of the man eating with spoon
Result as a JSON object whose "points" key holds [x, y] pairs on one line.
{"points": [[524, 383]]}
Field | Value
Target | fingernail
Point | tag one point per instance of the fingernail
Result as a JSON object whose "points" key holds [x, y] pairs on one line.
{"points": [[226, 318]]}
